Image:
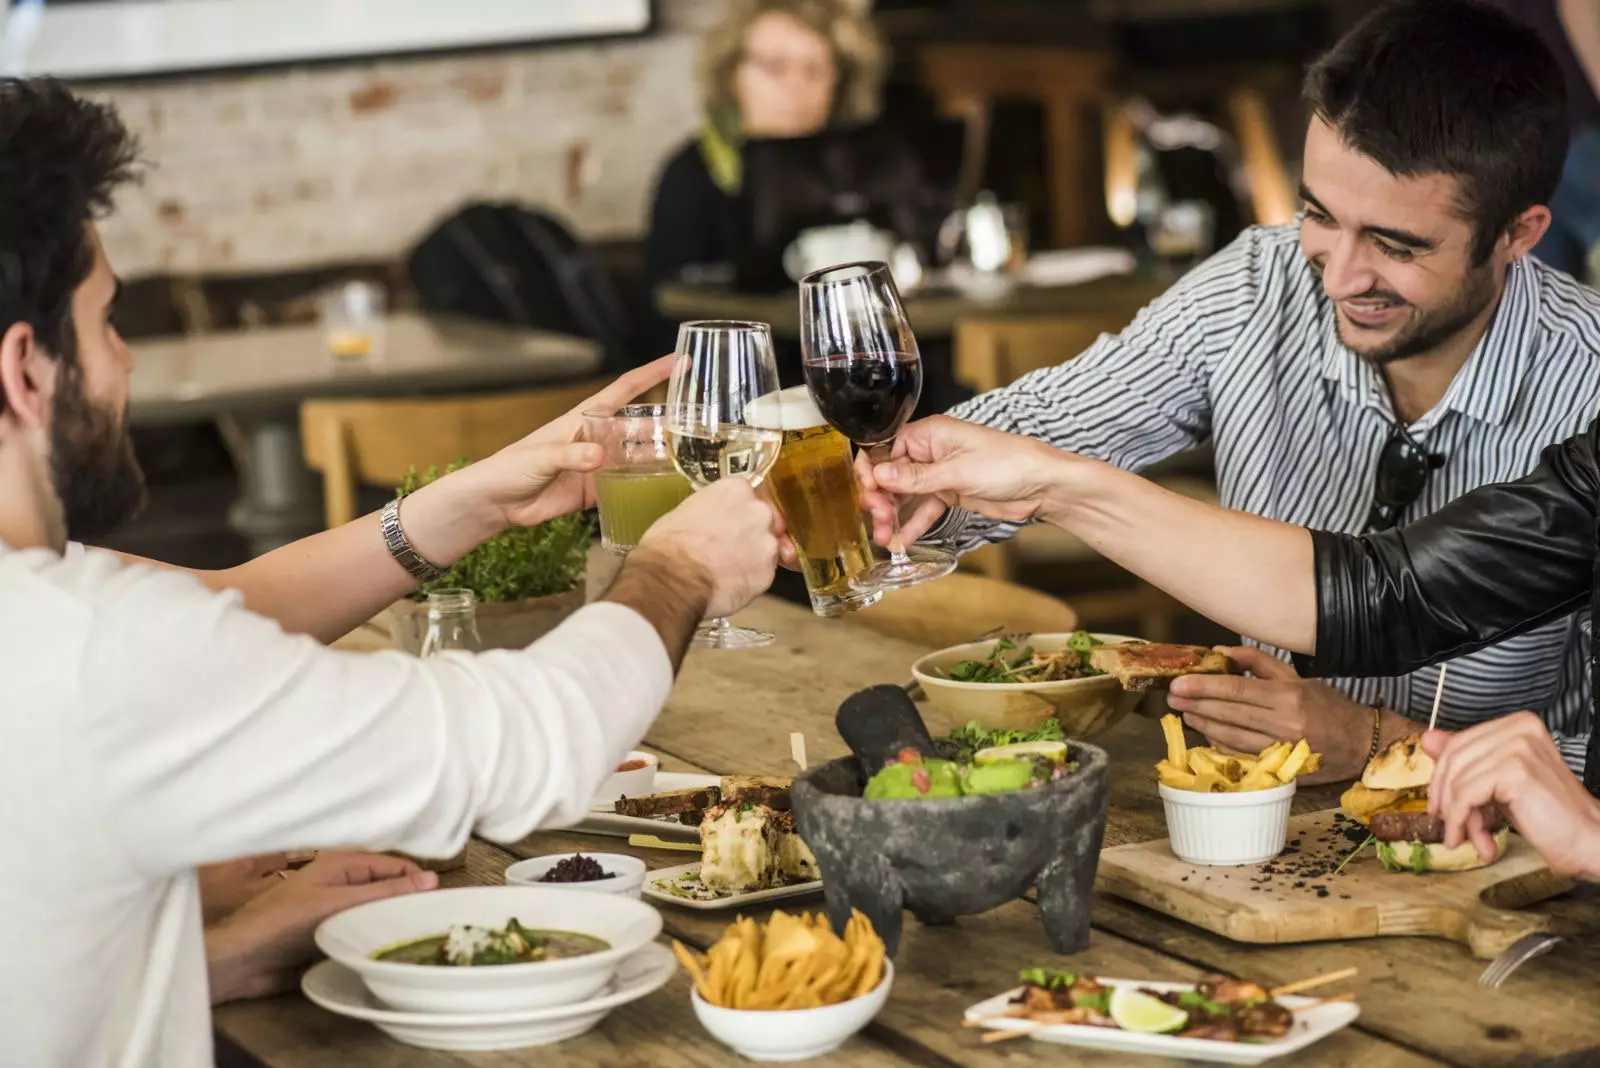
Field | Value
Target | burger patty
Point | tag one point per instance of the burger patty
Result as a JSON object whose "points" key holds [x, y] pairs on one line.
{"points": [[1406, 827], [1419, 826]]}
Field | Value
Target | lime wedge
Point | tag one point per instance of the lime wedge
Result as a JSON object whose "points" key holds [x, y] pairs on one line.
{"points": [[1143, 1014], [1056, 751]]}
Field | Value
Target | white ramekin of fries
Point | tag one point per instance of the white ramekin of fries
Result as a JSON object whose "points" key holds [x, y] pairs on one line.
{"points": [[793, 991], [1228, 808]]}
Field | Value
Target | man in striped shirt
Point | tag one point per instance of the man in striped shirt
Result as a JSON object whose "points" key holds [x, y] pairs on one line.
{"points": [[1393, 349]]}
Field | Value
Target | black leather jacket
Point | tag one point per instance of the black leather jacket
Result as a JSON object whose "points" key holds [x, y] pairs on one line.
{"points": [[1487, 566]]}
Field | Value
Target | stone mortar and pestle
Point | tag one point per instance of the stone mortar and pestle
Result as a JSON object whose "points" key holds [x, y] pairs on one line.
{"points": [[949, 856]]}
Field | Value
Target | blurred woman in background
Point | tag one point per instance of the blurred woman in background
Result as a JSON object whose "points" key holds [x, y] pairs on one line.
{"points": [[772, 68]]}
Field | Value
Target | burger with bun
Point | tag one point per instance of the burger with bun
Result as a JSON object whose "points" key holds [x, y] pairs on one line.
{"points": [[1392, 800]]}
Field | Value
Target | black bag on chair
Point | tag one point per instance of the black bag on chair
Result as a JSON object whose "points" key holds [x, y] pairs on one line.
{"points": [[511, 264]]}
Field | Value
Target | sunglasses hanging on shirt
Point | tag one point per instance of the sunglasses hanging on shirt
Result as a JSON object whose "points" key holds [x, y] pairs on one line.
{"points": [[1403, 468]]}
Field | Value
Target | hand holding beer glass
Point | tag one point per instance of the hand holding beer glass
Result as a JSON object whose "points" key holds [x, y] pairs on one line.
{"points": [[863, 370], [722, 368]]}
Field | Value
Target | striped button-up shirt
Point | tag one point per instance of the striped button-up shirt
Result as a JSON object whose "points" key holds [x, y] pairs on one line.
{"points": [[1244, 352]]}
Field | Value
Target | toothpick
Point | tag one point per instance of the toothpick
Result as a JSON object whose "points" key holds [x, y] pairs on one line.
{"points": [[1315, 980], [797, 749], [1006, 1036], [1438, 693]]}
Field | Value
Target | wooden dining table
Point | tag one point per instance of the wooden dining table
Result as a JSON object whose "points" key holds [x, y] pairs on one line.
{"points": [[733, 712]]}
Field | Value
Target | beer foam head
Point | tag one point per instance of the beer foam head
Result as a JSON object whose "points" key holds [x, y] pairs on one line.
{"points": [[787, 409]]}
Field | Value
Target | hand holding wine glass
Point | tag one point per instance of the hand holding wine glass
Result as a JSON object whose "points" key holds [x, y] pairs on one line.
{"points": [[722, 368], [865, 373]]}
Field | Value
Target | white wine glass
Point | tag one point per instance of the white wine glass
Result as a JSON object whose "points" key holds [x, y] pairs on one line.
{"points": [[722, 367]]}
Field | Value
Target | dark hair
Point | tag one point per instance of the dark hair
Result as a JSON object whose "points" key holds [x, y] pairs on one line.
{"points": [[1450, 87], [61, 158]]}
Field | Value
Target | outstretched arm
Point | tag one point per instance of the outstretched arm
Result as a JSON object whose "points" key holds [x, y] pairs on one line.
{"points": [[1493, 563], [328, 584], [1251, 574]]}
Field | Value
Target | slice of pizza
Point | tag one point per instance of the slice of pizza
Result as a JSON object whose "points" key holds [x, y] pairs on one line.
{"points": [[1152, 665]]}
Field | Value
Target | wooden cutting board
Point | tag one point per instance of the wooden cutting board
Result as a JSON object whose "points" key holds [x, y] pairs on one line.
{"points": [[1296, 898]]}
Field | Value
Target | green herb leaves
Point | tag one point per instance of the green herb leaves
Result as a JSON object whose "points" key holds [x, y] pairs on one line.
{"points": [[516, 564]]}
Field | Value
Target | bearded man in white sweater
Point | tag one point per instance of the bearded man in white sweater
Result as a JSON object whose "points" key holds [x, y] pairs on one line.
{"points": [[157, 721]]}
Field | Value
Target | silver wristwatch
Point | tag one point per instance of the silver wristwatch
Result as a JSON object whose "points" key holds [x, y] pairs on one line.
{"points": [[400, 548]]}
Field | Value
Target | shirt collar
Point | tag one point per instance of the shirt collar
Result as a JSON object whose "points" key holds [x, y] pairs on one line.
{"points": [[1487, 385]]}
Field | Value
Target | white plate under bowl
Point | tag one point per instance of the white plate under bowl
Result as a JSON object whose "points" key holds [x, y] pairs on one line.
{"points": [[1310, 1026], [352, 936], [603, 820], [731, 901], [341, 991]]}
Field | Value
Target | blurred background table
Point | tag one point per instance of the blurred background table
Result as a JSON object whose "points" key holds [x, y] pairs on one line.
{"points": [[934, 312], [253, 381]]}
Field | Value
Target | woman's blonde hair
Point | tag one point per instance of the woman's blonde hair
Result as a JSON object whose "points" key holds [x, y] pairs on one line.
{"points": [[859, 56]]}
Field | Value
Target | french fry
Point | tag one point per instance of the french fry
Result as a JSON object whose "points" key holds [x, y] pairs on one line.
{"points": [[1172, 727], [1313, 763], [1297, 759], [1176, 780], [1260, 779], [1273, 756], [1203, 760]]}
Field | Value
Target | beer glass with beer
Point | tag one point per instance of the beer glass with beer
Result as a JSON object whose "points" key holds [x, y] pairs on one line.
{"points": [[637, 482], [815, 489]]}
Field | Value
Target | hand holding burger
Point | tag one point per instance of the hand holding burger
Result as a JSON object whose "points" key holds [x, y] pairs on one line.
{"points": [[1511, 763], [1395, 799]]}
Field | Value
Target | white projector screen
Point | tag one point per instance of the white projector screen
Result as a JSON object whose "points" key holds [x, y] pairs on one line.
{"points": [[122, 38]]}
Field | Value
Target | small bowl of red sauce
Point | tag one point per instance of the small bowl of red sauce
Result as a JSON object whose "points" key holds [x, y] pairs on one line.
{"points": [[634, 777]]}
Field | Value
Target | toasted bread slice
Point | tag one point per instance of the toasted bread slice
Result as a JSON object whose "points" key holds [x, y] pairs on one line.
{"points": [[672, 803], [1152, 665], [769, 790]]}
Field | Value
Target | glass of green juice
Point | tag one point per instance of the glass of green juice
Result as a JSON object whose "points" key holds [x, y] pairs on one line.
{"points": [[637, 482]]}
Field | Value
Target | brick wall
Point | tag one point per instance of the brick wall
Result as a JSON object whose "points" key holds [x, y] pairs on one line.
{"points": [[285, 170]]}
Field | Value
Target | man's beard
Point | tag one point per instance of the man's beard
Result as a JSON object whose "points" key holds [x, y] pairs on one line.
{"points": [[1427, 330], [95, 473]]}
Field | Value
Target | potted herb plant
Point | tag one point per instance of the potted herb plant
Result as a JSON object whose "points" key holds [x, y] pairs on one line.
{"points": [[526, 579]]}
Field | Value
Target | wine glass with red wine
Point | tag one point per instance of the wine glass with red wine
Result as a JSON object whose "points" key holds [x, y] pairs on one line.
{"points": [[865, 374]]}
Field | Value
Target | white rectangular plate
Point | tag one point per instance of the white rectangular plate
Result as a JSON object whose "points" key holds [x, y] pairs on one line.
{"points": [[1309, 1026], [732, 901], [602, 820]]}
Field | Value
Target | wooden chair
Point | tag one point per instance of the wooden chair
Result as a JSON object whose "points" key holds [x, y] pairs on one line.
{"points": [[1272, 195], [968, 79], [990, 353], [961, 606], [374, 442]]}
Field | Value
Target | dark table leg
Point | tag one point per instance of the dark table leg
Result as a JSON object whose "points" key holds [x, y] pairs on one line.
{"points": [[279, 499]]}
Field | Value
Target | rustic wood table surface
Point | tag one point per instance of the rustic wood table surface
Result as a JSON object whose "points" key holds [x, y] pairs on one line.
{"points": [[732, 712]]}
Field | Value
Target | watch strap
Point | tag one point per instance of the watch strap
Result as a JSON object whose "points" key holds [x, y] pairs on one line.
{"points": [[394, 537]]}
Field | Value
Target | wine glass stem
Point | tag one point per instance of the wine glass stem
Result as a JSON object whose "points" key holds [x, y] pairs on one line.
{"points": [[882, 454]]}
